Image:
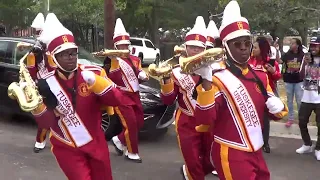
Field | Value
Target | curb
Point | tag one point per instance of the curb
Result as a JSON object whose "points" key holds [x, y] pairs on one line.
{"points": [[278, 129]]}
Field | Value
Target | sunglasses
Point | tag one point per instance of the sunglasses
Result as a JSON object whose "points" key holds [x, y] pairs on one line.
{"points": [[67, 55], [238, 44]]}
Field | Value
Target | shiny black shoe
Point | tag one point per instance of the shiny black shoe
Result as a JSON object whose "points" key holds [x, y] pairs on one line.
{"points": [[37, 150], [266, 148]]}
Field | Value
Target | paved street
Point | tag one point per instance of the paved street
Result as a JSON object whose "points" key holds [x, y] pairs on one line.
{"points": [[161, 160]]}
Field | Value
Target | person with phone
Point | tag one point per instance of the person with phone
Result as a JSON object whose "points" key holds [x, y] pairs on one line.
{"points": [[260, 60], [292, 61], [310, 101]]}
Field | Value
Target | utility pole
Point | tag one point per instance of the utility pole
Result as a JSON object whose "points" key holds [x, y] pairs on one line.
{"points": [[109, 22], [46, 7]]}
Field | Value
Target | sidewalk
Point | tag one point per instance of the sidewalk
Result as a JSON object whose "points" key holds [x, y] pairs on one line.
{"points": [[278, 129]]}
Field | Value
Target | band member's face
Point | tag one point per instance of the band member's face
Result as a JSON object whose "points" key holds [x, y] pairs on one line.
{"points": [[240, 48], [293, 45], [194, 50], [123, 46], [315, 49], [256, 50], [67, 59]]}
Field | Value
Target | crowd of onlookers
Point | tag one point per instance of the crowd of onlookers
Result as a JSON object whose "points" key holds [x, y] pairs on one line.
{"points": [[301, 75]]}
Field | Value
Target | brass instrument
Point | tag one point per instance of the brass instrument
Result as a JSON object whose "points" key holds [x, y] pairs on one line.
{"points": [[190, 64], [179, 49], [164, 68], [112, 53], [25, 91]]}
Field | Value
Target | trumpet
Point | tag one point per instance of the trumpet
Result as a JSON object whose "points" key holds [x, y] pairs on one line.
{"points": [[190, 64], [111, 53], [164, 68], [25, 91]]}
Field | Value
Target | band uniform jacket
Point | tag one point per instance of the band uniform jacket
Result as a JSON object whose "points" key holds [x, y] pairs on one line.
{"points": [[181, 87], [233, 110], [122, 77], [76, 121]]}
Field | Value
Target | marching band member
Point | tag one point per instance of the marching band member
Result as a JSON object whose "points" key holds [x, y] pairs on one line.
{"points": [[213, 38], [126, 73], [73, 95], [195, 147], [231, 103], [37, 66], [212, 34]]}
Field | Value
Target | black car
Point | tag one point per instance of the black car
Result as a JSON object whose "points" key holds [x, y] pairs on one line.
{"points": [[157, 116]]}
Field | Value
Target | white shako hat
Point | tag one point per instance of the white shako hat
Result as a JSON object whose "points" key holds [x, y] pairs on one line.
{"points": [[212, 33], [56, 37], [233, 25], [120, 35], [197, 36], [38, 22]]}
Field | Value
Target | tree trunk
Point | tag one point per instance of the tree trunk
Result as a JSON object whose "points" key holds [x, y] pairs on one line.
{"points": [[109, 22], [155, 23]]}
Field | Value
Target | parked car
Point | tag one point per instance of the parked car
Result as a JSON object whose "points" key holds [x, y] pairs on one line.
{"points": [[158, 117], [145, 50]]}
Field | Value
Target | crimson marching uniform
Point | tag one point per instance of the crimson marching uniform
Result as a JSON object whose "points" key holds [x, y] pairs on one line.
{"points": [[37, 71], [195, 146], [38, 66], [77, 139], [233, 110], [126, 73]]}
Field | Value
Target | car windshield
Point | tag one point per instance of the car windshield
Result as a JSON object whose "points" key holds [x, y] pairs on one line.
{"points": [[87, 58]]}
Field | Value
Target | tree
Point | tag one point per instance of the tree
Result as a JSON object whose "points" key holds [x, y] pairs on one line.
{"points": [[15, 13]]}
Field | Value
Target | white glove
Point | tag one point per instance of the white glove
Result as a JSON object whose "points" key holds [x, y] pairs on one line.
{"points": [[142, 75], [275, 105], [89, 77], [205, 73]]}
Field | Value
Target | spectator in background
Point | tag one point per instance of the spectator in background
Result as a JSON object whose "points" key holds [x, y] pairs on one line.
{"points": [[2, 30], [311, 97], [260, 60], [292, 61]]}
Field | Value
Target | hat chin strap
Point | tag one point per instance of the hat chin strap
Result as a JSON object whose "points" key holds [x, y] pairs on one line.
{"points": [[230, 54], [55, 61]]}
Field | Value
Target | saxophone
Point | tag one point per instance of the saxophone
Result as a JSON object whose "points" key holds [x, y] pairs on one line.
{"points": [[25, 91]]}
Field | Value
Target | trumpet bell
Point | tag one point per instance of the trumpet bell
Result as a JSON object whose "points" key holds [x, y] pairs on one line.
{"points": [[190, 64]]}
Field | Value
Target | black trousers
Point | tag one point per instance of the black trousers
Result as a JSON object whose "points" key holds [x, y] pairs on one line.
{"points": [[266, 129], [304, 115]]}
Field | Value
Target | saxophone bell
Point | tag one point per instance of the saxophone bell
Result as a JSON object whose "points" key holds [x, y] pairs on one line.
{"points": [[207, 57]]}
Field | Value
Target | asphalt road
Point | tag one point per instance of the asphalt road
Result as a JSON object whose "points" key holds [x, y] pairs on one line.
{"points": [[161, 159]]}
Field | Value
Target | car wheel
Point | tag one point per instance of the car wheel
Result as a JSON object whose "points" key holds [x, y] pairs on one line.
{"points": [[110, 125]]}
